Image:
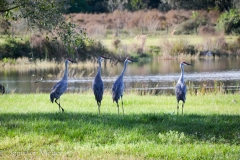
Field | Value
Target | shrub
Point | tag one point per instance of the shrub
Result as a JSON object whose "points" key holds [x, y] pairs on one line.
{"points": [[116, 43], [187, 27], [40, 48], [192, 25], [206, 30], [218, 45], [230, 22], [177, 47], [46, 49], [234, 47], [14, 49]]}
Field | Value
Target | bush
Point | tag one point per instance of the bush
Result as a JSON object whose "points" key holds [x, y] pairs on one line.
{"points": [[40, 48], [206, 30], [230, 22], [191, 26], [116, 43], [187, 27], [234, 47], [14, 49], [177, 47]]}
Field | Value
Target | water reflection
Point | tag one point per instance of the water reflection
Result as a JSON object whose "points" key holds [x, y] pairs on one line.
{"points": [[159, 75]]}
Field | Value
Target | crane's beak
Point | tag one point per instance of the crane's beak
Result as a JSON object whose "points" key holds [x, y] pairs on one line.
{"points": [[133, 61], [105, 57], [130, 60], [72, 61], [188, 64]]}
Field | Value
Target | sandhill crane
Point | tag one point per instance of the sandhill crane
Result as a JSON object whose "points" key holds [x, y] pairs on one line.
{"points": [[181, 88], [59, 88], [98, 86], [118, 86]]}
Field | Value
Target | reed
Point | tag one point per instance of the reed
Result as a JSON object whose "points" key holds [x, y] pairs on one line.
{"points": [[203, 88], [25, 64]]}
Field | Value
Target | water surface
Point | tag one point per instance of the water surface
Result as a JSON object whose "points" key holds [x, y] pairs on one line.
{"points": [[156, 74]]}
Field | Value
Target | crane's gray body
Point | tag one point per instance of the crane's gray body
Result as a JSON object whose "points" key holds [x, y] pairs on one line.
{"points": [[181, 88], [60, 87], [98, 86], [118, 86]]}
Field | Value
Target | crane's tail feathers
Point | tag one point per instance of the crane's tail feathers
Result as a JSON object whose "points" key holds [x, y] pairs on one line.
{"points": [[51, 98]]}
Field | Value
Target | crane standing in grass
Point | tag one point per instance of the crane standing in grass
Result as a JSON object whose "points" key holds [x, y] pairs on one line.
{"points": [[59, 88], [118, 86], [181, 88], [98, 86]]}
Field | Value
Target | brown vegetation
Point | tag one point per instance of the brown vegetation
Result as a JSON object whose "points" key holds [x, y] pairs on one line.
{"points": [[146, 21], [142, 25]]}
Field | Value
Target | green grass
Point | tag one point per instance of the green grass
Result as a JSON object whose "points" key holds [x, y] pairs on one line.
{"points": [[32, 128], [19, 38], [157, 40]]}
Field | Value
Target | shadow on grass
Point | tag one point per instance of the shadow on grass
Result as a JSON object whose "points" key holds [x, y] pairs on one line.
{"points": [[109, 127]]}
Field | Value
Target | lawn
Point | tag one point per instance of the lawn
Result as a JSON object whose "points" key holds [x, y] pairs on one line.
{"points": [[31, 127], [157, 40]]}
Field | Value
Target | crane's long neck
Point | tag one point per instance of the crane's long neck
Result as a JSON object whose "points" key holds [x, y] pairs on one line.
{"points": [[99, 68], [124, 69], [65, 76], [182, 74]]}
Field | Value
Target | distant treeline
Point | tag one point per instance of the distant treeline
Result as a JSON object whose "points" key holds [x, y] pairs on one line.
{"points": [[105, 6]]}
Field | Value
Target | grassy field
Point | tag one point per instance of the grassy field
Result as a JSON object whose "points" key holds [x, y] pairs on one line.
{"points": [[157, 40], [32, 128]]}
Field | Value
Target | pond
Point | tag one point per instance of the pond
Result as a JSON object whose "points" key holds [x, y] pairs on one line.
{"points": [[153, 76]]}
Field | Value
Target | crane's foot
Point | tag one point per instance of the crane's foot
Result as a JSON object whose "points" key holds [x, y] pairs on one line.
{"points": [[60, 108]]}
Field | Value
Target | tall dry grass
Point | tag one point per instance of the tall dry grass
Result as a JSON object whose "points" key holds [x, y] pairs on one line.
{"points": [[173, 48], [142, 20]]}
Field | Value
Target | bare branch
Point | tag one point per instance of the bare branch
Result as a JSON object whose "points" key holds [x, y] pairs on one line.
{"points": [[9, 9]]}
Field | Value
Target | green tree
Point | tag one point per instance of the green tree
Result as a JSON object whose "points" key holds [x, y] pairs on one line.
{"points": [[138, 4], [230, 22], [45, 16], [221, 5]]}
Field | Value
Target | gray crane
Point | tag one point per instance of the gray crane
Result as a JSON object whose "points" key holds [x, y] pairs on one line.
{"points": [[181, 88], [118, 86], [97, 85], [59, 88]]}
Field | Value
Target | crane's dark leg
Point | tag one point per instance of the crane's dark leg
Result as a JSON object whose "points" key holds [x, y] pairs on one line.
{"points": [[99, 105], [117, 107], [182, 107], [122, 105], [59, 105], [177, 107]]}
